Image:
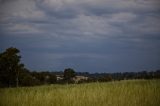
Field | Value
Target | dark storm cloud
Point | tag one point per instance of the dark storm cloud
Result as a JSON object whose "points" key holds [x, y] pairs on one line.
{"points": [[88, 35]]}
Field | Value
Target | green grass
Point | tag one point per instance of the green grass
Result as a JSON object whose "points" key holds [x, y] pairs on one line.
{"points": [[120, 93]]}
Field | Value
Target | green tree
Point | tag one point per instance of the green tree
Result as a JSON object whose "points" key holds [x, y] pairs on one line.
{"points": [[10, 67], [52, 79], [26, 78], [69, 74]]}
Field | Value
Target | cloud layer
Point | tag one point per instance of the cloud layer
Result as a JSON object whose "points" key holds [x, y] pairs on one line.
{"points": [[88, 35]]}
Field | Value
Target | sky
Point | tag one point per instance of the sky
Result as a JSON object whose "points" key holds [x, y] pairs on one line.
{"points": [[86, 35]]}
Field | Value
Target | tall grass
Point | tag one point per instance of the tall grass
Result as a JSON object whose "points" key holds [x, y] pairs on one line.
{"points": [[122, 93]]}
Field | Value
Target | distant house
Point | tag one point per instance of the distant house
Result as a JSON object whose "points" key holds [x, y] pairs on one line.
{"points": [[77, 79], [59, 77]]}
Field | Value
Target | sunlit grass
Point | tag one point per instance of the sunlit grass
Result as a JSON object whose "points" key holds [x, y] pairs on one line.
{"points": [[120, 93]]}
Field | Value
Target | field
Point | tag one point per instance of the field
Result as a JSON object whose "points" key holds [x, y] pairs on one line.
{"points": [[118, 93]]}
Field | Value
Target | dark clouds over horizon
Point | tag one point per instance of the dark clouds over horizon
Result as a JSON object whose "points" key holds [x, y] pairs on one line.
{"points": [[87, 35]]}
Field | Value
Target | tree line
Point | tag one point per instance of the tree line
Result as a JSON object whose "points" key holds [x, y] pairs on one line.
{"points": [[14, 74]]}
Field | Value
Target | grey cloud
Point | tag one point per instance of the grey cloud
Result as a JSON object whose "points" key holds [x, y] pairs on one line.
{"points": [[73, 14], [5, 1], [72, 8], [20, 10]]}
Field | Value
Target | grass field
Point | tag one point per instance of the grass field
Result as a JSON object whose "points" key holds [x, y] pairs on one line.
{"points": [[120, 93]]}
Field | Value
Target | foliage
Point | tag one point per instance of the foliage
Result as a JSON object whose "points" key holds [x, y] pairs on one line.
{"points": [[69, 74], [44, 77], [13, 73], [10, 67], [26, 79]]}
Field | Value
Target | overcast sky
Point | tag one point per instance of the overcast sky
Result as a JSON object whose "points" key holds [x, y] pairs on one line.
{"points": [[86, 35]]}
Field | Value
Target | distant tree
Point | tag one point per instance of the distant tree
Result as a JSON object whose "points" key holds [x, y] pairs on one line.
{"points": [[69, 74], [26, 78], [10, 67], [108, 78], [52, 79], [39, 76], [44, 77]]}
